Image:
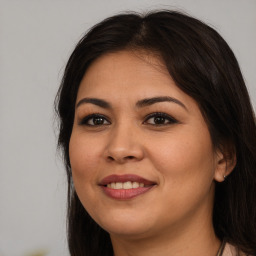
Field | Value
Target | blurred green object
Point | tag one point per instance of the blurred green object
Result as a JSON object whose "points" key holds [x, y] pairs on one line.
{"points": [[37, 253]]}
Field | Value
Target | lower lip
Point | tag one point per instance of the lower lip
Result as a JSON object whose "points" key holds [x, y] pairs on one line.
{"points": [[124, 194]]}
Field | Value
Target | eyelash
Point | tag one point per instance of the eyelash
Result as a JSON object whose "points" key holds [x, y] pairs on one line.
{"points": [[170, 120], [86, 119], [155, 115]]}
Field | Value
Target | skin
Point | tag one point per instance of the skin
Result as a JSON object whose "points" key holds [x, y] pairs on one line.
{"points": [[175, 216]]}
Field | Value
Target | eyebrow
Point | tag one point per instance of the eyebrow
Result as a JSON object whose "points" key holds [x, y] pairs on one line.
{"points": [[141, 103], [151, 101], [99, 102]]}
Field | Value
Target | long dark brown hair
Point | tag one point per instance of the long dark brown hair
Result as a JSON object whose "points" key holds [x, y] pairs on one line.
{"points": [[204, 67]]}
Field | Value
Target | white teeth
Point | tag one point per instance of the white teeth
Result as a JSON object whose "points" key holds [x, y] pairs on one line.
{"points": [[135, 184], [125, 185], [119, 185]]}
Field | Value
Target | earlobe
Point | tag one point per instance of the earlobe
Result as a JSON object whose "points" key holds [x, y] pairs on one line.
{"points": [[225, 165]]}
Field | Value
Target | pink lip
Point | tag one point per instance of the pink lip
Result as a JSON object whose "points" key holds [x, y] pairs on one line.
{"points": [[125, 194]]}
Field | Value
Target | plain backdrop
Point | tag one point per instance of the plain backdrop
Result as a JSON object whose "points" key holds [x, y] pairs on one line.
{"points": [[36, 38]]}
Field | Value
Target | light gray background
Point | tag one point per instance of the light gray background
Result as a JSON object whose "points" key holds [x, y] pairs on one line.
{"points": [[36, 38]]}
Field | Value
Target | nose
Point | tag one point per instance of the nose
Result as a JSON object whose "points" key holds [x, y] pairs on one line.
{"points": [[124, 145]]}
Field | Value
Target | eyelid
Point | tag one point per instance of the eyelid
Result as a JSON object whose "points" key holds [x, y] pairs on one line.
{"points": [[171, 119], [84, 120]]}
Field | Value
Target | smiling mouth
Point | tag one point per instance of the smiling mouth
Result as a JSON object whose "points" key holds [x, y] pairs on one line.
{"points": [[124, 187]]}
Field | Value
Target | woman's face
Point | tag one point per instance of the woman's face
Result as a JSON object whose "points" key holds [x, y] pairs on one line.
{"points": [[141, 154]]}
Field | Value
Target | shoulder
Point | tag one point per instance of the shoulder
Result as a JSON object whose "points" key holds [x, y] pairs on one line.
{"points": [[231, 250]]}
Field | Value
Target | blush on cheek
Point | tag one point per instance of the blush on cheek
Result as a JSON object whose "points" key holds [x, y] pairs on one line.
{"points": [[83, 171], [82, 154]]}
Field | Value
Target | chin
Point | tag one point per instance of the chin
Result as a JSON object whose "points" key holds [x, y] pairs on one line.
{"points": [[128, 231], [125, 224]]}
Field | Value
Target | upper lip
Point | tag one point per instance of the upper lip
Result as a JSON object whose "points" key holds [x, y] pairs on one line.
{"points": [[123, 178]]}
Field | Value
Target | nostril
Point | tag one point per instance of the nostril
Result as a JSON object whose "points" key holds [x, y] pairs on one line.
{"points": [[111, 158], [123, 158]]}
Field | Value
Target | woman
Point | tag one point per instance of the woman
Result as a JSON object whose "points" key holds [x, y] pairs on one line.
{"points": [[158, 136]]}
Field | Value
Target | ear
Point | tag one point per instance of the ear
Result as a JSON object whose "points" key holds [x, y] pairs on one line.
{"points": [[225, 163]]}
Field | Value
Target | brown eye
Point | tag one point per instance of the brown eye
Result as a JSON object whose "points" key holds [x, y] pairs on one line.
{"points": [[97, 121], [160, 119], [94, 120]]}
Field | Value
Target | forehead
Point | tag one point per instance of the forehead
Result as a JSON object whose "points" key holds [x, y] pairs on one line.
{"points": [[123, 63], [128, 74]]}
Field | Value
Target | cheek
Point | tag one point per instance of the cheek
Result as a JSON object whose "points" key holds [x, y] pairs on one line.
{"points": [[84, 164], [184, 156], [186, 167], [83, 159]]}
